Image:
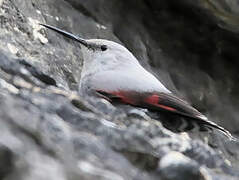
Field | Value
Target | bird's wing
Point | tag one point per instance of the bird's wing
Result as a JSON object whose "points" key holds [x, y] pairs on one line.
{"points": [[154, 101], [162, 102]]}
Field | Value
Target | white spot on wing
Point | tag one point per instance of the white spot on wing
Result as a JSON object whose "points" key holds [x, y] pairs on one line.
{"points": [[202, 117], [100, 26]]}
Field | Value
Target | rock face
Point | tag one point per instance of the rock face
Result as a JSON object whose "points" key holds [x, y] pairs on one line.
{"points": [[48, 132]]}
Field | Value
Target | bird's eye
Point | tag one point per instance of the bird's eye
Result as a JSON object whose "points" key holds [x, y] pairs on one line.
{"points": [[103, 48]]}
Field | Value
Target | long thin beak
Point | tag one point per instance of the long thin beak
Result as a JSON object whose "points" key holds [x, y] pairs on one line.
{"points": [[67, 34]]}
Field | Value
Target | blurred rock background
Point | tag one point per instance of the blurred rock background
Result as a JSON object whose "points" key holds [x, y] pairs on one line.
{"points": [[48, 132]]}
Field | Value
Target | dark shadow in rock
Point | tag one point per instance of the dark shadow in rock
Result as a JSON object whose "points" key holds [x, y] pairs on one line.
{"points": [[6, 161], [36, 73], [23, 69], [142, 160]]}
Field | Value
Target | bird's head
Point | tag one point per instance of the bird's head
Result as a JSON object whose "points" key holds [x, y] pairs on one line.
{"points": [[100, 54]]}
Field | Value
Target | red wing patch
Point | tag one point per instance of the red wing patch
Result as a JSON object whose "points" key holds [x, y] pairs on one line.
{"points": [[154, 100], [166, 107], [124, 97], [121, 96]]}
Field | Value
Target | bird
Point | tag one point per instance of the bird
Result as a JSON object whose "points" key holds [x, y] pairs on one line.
{"points": [[112, 72]]}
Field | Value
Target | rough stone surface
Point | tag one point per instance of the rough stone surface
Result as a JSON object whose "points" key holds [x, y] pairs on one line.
{"points": [[175, 166], [48, 132]]}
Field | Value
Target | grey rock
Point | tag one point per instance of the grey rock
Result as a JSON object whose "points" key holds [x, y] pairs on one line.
{"points": [[49, 132], [175, 166]]}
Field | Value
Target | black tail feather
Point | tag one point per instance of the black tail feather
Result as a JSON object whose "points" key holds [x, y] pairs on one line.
{"points": [[177, 123]]}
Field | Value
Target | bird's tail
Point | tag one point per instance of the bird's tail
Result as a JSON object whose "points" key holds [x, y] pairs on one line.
{"points": [[187, 123], [192, 115], [213, 125]]}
